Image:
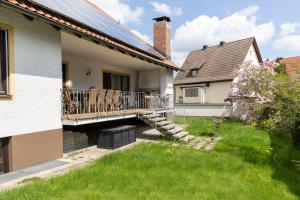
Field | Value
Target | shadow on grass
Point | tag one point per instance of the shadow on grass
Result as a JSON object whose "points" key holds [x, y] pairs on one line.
{"points": [[249, 154], [282, 157], [284, 161]]}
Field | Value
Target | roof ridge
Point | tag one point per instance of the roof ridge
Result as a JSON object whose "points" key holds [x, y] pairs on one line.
{"points": [[218, 45], [220, 61]]}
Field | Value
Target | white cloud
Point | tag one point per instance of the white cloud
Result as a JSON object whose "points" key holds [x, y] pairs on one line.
{"points": [[249, 11], [165, 9], [144, 37], [211, 30], [288, 28], [120, 11], [289, 39], [288, 43]]}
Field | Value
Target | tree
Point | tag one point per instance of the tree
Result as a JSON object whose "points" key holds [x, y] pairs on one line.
{"points": [[272, 97]]}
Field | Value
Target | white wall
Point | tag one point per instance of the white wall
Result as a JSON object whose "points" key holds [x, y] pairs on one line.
{"points": [[79, 66], [252, 56], [166, 81], [218, 91], [236, 110], [215, 93], [149, 79], [36, 106], [205, 110]]}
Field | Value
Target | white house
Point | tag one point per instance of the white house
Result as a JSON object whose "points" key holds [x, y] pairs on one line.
{"points": [[208, 74], [57, 59]]}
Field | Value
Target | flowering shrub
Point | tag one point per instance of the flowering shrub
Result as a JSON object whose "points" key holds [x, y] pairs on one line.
{"points": [[272, 97]]}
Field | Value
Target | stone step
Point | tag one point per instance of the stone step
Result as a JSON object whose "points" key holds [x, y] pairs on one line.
{"points": [[158, 119], [174, 131], [187, 138], [168, 127], [147, 113], [151, 116], [209, 146], [200, 145], [181, 134], [163, 123]]}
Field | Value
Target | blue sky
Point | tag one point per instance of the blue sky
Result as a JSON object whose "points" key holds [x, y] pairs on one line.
{"points": [[275, 23]]}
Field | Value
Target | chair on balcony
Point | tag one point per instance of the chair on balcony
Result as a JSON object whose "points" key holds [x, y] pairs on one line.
{"points": [[70, 105], [109, 100], [117, 100], [92, 100], [101, 100]]}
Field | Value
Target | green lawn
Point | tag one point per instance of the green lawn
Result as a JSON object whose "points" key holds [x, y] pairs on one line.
{"points": [[247, 163]]}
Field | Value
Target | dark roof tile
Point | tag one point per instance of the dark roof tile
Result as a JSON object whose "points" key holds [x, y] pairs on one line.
{"points": [[216, 63]]}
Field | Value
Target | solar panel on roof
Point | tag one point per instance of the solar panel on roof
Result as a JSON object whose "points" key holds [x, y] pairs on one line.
{"points": [[83, 12]]}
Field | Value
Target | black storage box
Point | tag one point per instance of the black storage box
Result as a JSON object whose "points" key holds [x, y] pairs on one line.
{"points": [[116, 137]]}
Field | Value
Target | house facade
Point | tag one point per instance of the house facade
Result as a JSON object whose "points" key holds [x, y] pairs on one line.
{"points": [[200, 90], [57, 61]]}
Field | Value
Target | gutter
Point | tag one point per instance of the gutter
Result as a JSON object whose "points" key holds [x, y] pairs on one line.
{"points": [[202, 82]]}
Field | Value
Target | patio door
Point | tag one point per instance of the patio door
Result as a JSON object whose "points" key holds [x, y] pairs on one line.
{"points": [[3, 155], [115, 81]]}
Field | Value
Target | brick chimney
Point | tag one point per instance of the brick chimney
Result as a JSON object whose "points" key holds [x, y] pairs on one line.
{"points": [[162, 35]]}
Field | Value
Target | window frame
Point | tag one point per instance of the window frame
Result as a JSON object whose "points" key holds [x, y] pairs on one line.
{"points": [[202, 94], [194, 71], [189, 89], [5, 91], [111, 73], [10, 82]]}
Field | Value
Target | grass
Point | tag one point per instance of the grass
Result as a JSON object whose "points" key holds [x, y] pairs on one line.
{"points": [[247, 163]]}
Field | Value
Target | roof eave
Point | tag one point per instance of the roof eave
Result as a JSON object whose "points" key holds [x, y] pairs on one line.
{"points": [[257, 51], [201, 82]]}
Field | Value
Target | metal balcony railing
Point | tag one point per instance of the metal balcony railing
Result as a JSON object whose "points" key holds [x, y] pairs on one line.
{"points": [[91, 103]]}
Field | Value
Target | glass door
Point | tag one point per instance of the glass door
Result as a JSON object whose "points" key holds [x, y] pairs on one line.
{"points": [[1, 156]]}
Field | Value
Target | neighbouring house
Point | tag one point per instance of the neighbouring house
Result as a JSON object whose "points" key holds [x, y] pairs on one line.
{"points": [[67, 67], [292, 65], [208, 73]]}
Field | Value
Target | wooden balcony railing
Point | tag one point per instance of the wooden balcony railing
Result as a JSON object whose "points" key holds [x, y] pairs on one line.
{"points": [[79, 104]]}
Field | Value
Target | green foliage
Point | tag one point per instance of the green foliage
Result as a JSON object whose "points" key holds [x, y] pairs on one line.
{"points": [[281, 68], [276, 101], [284, 111]]}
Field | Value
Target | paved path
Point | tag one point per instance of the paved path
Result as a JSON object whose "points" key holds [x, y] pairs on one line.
{"points": [[4, 178], [74, 160]]}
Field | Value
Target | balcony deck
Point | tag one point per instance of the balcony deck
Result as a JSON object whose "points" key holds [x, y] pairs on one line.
{"points": [[87, 118], [87, 106]]}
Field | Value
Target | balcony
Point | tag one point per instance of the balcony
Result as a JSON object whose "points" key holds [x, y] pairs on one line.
{"points": [[83, 106]]}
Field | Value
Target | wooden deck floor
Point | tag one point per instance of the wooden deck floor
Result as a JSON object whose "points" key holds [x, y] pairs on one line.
{"points": [[103, 114]]}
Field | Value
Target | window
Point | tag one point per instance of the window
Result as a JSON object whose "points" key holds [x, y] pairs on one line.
{"points": [[4, 62], [194, 72], [191, 92], [195, 95], [4, 155], [115, 82]]}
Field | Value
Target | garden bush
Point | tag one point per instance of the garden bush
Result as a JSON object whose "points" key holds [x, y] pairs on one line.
{"points": [[272, 96]]}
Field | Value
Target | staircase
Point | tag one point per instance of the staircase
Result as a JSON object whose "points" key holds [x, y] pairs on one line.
{"points": [[171, 131]]}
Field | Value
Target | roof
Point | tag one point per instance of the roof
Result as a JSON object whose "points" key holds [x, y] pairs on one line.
{"points": [[292, 65], [93, 23], [216, 63]]}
